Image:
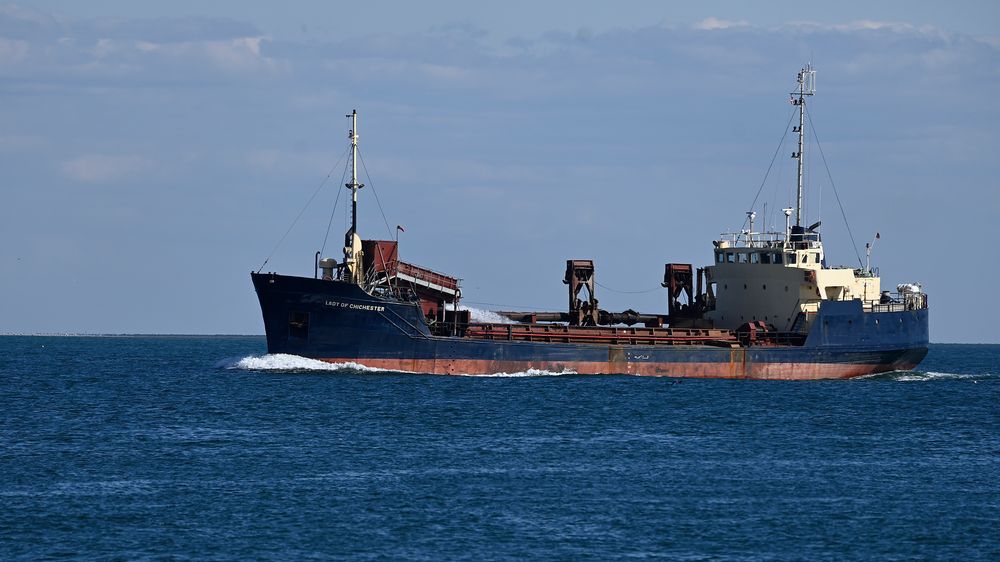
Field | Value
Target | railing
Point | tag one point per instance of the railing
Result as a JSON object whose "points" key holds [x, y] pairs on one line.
{"points": [[899, 302], [600, 335], [774, 240], [889, 307], [427, 275], [560, 333]]}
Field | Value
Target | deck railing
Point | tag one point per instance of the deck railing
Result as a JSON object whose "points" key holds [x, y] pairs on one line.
{"points": [[899, 302]]}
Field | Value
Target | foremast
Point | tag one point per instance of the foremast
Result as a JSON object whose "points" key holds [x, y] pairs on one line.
{"points": [[352, 242]]}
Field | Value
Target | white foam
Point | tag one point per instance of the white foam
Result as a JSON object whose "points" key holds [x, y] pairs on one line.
{"points": [[528, 373], [486, 316], [932, 375], [286, 362]]}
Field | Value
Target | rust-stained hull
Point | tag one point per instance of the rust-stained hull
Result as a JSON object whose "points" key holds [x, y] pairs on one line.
{"points": [[733, 370]]}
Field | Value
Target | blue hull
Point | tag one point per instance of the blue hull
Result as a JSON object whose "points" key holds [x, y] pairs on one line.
{"points": [[339, 322]]}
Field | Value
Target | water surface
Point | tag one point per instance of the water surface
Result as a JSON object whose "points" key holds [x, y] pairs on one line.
{"points": [[205, 448]]}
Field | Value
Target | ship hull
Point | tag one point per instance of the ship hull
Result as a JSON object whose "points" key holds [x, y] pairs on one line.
{"points": [[338, 322]]}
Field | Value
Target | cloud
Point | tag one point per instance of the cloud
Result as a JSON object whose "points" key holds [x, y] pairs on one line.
{"points": [[645, 61], [649, 61], [17, 22], [714, 23], [35, 46], [867, 25], [102, 168], [28, 23], [170, 30], [233, 55]]}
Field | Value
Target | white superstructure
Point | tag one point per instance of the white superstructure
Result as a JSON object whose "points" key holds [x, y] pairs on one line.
{"points": [[775, 280]]}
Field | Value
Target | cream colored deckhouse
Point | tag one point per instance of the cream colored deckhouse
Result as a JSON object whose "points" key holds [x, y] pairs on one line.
{"points": [[777, 278]]}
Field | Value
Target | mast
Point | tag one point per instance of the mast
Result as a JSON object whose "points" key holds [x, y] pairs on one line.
{"points": [[354, 186], [807, 87], [352, 242]]}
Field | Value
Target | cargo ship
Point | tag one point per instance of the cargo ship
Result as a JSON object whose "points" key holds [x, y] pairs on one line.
{"points": [[767, 307]]}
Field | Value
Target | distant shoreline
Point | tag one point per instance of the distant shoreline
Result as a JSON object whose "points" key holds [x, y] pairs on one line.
{"points": [[87, 335]]}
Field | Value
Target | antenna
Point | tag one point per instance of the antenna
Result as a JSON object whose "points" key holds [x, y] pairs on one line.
{"points": [[788, 222], [750, 216], [807, 77]]}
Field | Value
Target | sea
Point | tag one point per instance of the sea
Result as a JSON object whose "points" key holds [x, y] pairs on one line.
{"points": [[207, 448]]}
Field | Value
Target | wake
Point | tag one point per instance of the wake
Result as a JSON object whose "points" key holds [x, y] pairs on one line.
{"points": [[925, 376], [285, 363]]}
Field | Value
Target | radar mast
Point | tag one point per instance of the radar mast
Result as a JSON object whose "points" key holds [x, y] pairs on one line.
{"points": [[807, 87]]}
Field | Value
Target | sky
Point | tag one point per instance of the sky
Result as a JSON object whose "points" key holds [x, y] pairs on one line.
{"points": [[153, 154]]}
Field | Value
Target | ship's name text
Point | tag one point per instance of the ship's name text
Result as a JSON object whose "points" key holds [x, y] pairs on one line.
{"points": [[355, 306]]}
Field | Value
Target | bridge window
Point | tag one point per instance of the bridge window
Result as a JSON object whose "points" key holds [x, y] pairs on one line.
{"points": [[742, 257], [730, 257], [720, 257], [755, 258], [777, 258], [791, 258], [765, 258]]}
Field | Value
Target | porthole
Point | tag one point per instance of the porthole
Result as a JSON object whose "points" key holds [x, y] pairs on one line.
{"points": [[744, 286], [786, 288], [764, 287], [726, 286]]}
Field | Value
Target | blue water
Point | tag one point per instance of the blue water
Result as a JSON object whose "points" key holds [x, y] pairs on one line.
{"points": [[172, 449]]}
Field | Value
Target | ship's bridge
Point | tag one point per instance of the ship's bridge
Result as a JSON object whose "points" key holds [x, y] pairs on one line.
{"points": [[796, 247], [810, 257]]}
